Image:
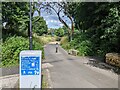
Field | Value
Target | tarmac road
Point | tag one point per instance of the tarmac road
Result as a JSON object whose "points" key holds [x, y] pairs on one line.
{"points": [[72, 72], [9, 71]]}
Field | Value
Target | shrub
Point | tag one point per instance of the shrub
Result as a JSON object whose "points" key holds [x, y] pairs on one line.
{"points": [[66, 46], [12, 47], [64, 42], [59, 32], [85, 48], [44, 39], [38, 46], [81, 43]]}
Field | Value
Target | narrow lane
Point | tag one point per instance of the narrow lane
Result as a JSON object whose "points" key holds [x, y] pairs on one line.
{"points": [[71, 72]]}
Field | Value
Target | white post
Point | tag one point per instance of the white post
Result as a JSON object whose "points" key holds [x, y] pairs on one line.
{"points": [[30, 69]]}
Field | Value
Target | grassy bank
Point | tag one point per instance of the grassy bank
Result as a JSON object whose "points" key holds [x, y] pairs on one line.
{"points": [[44, 39], [84, 47], [12, 47]]}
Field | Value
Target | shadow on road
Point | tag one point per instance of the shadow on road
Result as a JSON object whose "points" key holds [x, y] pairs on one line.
{"points": [[100, 63], [56, 61]]}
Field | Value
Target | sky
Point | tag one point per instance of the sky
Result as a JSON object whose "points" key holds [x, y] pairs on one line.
{"points": [[52, 19]]}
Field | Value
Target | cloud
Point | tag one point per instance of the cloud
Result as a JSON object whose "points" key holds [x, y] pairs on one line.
{"points": [[61, 24], [53, 21], [47, 22]]}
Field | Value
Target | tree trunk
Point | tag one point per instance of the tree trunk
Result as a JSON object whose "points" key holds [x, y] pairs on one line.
{"points": [[72, 34], [70, 37]]}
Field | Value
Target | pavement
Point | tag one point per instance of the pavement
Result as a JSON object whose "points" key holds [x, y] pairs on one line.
{"points": [[10, 81], [9, 77], [72, 72]]}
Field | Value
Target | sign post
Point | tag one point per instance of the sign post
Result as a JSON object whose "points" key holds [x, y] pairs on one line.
{"points": [[30, 69]]}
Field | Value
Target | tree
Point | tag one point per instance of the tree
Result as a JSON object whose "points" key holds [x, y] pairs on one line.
{"points": [[39, 25], [98, 23], [111, 25], [59, 7], [15, 14], [59, 32]]}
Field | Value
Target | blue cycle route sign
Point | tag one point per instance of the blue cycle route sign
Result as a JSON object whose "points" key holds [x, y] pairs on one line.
{"points": [[30, 65], [30, 69]]}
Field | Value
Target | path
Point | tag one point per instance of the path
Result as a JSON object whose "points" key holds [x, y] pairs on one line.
{"points": [[72, 72]]}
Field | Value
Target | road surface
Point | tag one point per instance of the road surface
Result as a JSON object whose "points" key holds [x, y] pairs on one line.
{"points": [[9, 71], [72, 72], [9, 77]]}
